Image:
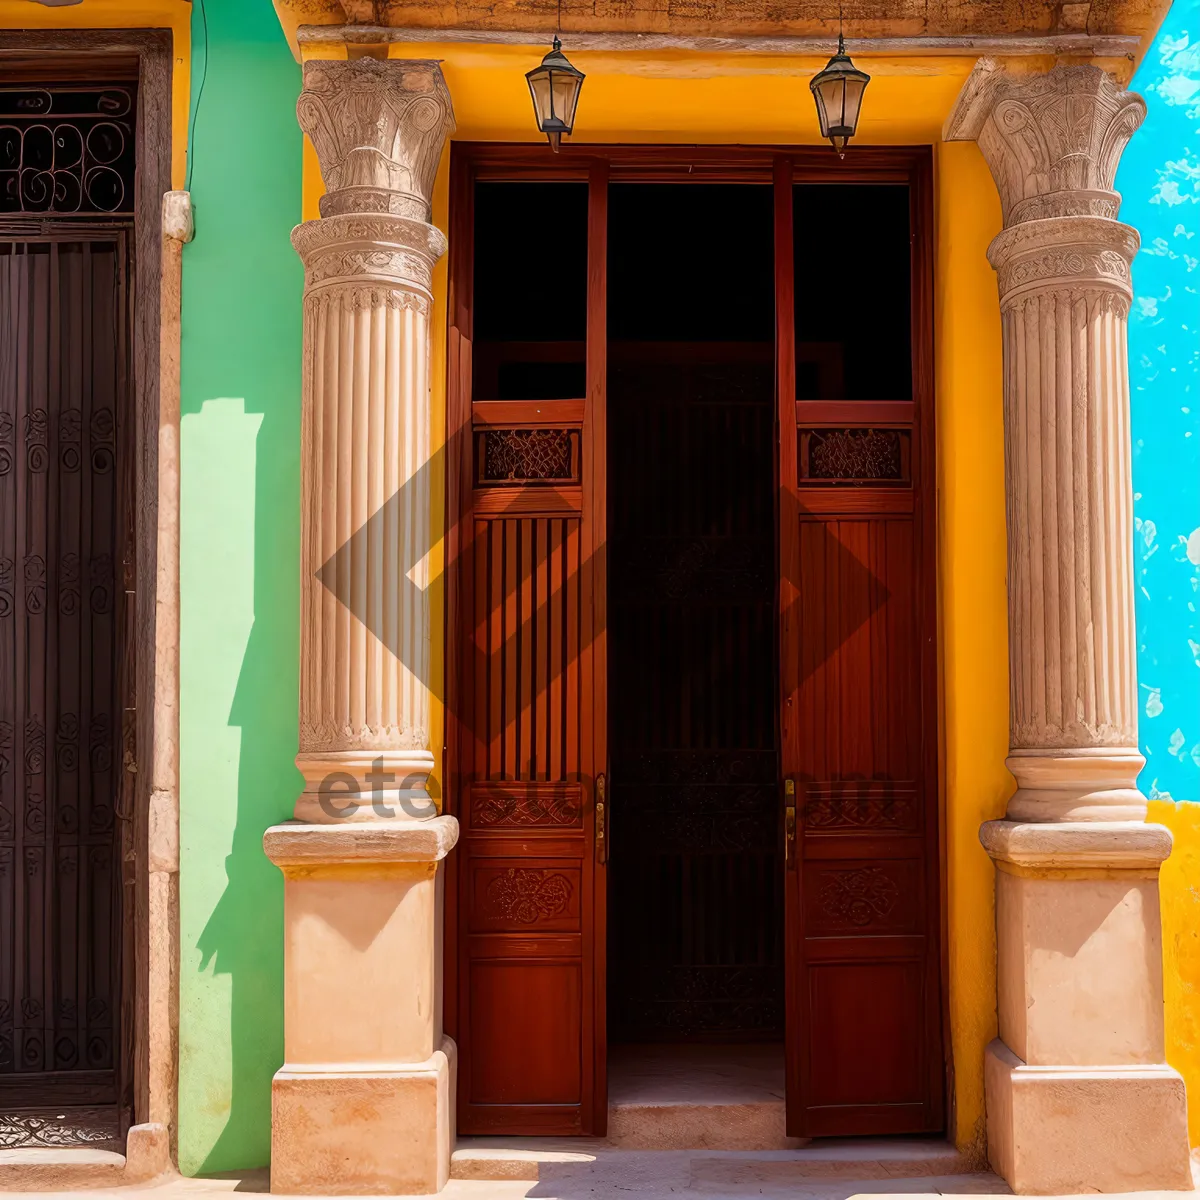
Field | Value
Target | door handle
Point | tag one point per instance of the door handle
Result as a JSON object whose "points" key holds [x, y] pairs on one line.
{"points": [[601, 823], [789, 823]]}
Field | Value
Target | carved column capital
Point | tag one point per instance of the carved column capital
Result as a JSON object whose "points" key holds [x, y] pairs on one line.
{"points": [[1053, 141], [379, 127]]}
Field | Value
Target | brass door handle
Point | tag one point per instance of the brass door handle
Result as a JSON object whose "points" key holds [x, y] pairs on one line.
{"points": [[601, 823], [789, 823]]}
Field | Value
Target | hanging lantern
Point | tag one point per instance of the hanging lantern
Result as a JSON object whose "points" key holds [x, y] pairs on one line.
{"points": [[838, 91], [555, 87]]}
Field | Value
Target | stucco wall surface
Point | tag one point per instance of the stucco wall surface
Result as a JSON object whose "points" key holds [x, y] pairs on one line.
{"points": [[240, 443]]}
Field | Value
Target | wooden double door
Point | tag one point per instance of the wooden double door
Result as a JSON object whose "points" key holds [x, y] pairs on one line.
{"points": [[691, 729]]}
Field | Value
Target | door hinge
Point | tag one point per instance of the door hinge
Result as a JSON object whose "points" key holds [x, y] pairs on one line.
{"points": [[789, 823], [601, 823]]}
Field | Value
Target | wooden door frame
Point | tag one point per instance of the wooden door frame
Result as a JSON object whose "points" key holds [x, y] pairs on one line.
{"points": [[779, 166], [149, 1003]]}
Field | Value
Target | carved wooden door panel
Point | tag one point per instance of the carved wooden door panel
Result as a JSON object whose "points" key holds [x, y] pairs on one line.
{"points": [[63, 538], [858, 705], [528, 722]]}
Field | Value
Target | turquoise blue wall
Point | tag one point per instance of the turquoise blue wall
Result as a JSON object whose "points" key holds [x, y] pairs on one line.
{"points": [[1159, 179], [240, 439]]}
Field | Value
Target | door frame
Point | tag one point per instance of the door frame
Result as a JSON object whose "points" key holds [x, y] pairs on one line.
{"points": [[149, 964], [779, 166]]}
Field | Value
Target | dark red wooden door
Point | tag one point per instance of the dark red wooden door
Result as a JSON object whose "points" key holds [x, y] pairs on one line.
{"points": [[857, 663], [63, 539], [529, 715]]}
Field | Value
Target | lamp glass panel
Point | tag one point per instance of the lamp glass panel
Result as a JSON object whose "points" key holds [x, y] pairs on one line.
{"points": [[853, 89], [822, 115], [833, 93], [539, 88], [566, 87]]}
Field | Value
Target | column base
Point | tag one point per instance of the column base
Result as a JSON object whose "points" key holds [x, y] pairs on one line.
{"points": [[364, 1133], [1069, 1130]]}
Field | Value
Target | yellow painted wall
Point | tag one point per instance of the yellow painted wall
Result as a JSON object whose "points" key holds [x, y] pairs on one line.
{"points": [[684, 97], [1179, 891], [175, 15], [974, 619]]}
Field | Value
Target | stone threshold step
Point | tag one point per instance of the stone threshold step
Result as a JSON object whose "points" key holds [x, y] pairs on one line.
{"points": [[45, 1169], [863, 1159]]}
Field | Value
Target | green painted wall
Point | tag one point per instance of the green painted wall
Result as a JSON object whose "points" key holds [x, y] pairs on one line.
{"points": [[240, 442]]}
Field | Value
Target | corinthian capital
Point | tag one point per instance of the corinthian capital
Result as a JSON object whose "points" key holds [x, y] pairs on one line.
{"points": [[378, 126], [1052, 141]]}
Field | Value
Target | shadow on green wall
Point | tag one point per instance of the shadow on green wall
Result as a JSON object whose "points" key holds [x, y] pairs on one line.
{"points": [[241, 338], [243, 937]]}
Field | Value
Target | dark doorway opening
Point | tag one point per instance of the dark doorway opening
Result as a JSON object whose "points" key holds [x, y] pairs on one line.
{"points": [[696, 947]]}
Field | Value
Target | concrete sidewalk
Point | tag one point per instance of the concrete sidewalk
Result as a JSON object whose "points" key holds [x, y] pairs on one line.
{"points": [[593, 1169]]}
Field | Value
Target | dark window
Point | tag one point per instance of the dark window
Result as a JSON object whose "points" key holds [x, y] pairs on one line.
{"points": [[530, 336], [853, 292]]}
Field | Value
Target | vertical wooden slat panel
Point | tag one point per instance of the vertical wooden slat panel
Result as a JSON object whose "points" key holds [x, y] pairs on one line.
{"points": [[556, 603], [543, 602], [512, 649], [496, 643], [475, 665], [572, 619], [526, 633]]}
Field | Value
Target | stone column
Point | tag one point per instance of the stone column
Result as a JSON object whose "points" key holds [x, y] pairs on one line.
{"points": [[1079, 1098], [364, 1101]]}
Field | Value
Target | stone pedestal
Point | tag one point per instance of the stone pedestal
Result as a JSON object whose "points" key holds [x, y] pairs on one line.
{"points": [[1079, 1098], [1078, 1095], [364, 1103]]}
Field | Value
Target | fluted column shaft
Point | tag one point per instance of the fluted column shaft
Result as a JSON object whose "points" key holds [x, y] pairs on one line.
{"points": [[1065, 294], [379, 128], [1063, 261]]}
